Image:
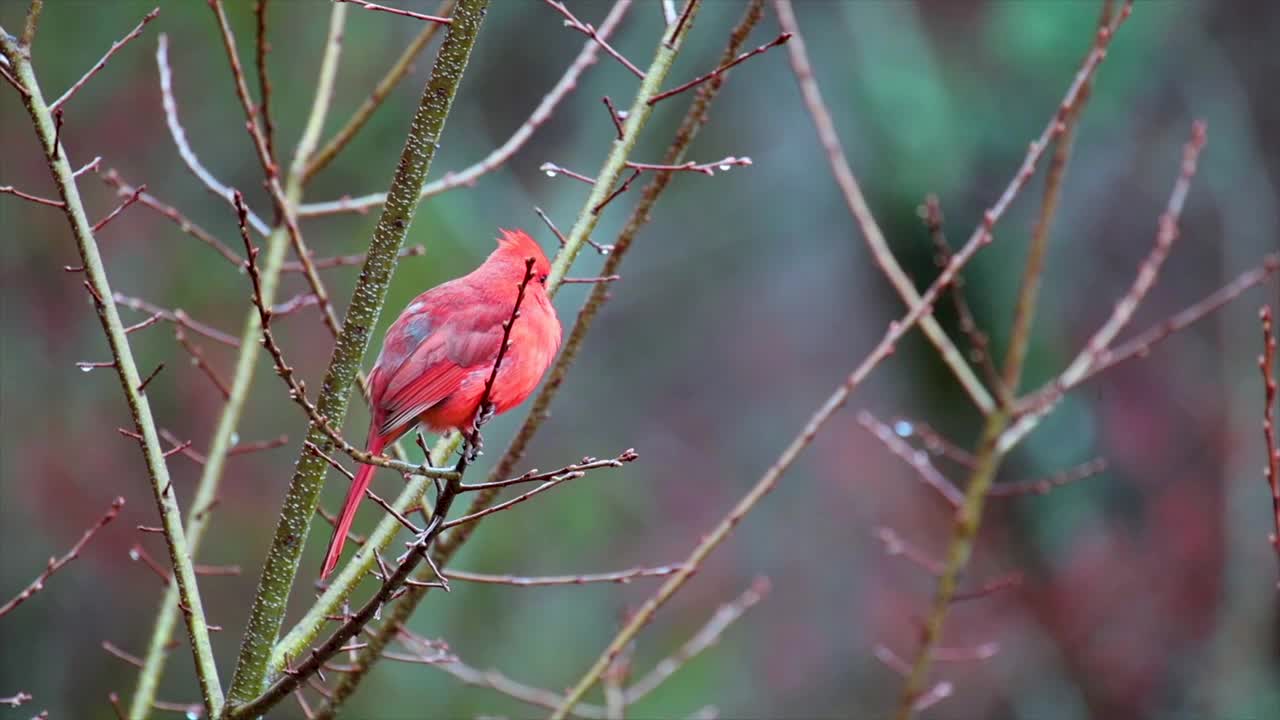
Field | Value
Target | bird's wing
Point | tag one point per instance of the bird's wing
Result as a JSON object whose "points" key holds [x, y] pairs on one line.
{"points": [[428, 353]]}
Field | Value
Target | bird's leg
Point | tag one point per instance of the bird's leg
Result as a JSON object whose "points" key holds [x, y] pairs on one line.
{"points": [[473, 442]]}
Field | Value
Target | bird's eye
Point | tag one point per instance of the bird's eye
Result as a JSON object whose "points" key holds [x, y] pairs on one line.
{"points": [[542, 279]]}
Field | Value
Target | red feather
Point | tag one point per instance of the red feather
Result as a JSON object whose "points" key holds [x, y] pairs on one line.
{"points": [[437, 356]]}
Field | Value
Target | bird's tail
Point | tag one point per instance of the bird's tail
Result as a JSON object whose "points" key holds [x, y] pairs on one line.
{"points": [[350, 505]]}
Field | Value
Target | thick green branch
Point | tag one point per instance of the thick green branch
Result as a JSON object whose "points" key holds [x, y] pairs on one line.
{"points": [[144, 425], [366, 304]]}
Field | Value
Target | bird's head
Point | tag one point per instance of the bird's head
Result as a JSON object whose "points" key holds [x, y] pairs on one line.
{"points": [[516, 247]]}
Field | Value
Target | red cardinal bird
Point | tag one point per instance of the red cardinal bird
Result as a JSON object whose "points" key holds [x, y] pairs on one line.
{"points": [[438, 355]]}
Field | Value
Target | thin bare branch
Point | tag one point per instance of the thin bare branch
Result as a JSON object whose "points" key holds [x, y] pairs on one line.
{"points": [[177, 317], [894, 546], [396, 11], [1042, 486], [547, 485], [1267, 365], [571, 21], [111, 649], [917, 459], [622, 577], [979, 343], [11, 190], [56, 564], [115, 46], [587, 464], [262, 47], [123, 189], [131, 199], [706, 637], [500, 683], [349, 260], [780, 40]]}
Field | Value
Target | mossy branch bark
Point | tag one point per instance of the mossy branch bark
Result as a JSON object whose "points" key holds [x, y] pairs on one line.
{"points": [[278, 575], [96, 282]]}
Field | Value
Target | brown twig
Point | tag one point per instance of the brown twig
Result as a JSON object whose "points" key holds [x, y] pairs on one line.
{"points": [[198, 359], [500, 683], [138, 553], [621, 576], [551, 482], [142, 386], [263, 46], [1044, 485], [348, 260], [13, 81], [396, 11], [246, 448], [781, 39], [92, 165], [155, 318], [56, 564], [121, 654], [1267, 365], [1149, 270], [933, 441], [895, 545], [918, 460], [11, 190], [181, 447], [704, 638], [131, 199], [535, 476], [590, 280], [369, 493], [177, 317], [709, 168], [123, 189], [615, 116], [602, 249], [979, 343], [684, 20], [571, 21], [626, 185], [115, 46]]}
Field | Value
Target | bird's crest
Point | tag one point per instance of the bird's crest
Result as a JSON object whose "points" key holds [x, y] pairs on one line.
{"points": [[519, 241]]}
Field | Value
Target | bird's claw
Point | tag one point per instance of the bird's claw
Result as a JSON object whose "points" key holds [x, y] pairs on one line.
{"points": [[473, 446]]}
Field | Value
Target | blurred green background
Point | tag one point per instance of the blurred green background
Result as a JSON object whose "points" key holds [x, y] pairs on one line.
{"points": [[1150, 591]]}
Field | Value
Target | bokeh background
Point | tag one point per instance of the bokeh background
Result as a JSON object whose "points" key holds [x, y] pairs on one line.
{"points": [[1150, 591]]}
